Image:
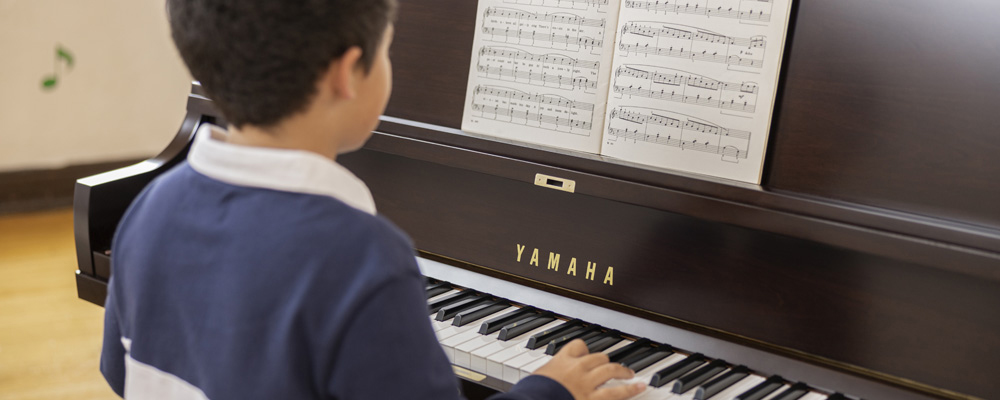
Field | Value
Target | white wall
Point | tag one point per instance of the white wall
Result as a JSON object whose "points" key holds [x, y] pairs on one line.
{"points": [[123, 99]]}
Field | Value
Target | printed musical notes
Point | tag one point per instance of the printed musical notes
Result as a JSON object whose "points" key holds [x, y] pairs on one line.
{"points": [[687, 85], [548, 70], [543, 111], [558, 31], [743, 10], [667, 128], [682, 87], [694, 83], [646, 38], [541, 70], [599, 5]]}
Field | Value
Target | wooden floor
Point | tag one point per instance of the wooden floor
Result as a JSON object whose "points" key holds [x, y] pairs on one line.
{"points": [[50, 341]]}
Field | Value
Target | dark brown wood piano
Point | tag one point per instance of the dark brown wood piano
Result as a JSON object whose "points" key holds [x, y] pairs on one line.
{"points": [[867, 263]]}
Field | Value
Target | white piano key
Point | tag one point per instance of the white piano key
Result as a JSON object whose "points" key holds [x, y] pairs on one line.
{"points": [[463, 352], [450, 331], [777, 392], [512, 367], [647, 374], [448, 344], [439, 325], [738, 388], [616, 346], [812, 396], [471, 332], [501, 351], [442, 295], [530, 368]]}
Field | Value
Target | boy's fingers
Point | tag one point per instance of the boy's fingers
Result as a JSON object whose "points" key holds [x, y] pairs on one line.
{"points": [[575, 348], [609, 371], [619, 392], [591, 361]]}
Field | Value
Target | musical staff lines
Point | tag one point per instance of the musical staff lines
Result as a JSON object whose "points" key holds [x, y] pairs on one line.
{"points": [[545, 111], [601, 5], [666, 128], [684, 87], [652, 38], [546, 70], [758, 11], [557, 31]]}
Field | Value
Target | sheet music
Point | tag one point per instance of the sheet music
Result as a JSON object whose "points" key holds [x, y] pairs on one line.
{"points": [[693, 84], [540, 71]]}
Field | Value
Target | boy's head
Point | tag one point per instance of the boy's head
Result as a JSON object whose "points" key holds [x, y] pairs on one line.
{"points": [[263, 60]]}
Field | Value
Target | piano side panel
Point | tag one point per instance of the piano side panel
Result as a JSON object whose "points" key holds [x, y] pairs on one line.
{"points": [[884, 103], [906, 320]]}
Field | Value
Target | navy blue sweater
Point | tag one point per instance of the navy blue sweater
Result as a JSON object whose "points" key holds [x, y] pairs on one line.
{"points": [[251, 293]]}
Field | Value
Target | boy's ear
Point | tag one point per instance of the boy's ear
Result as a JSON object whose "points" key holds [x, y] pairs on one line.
{"points": [[341, 75]]}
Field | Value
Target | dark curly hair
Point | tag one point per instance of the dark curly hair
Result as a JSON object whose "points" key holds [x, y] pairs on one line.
{"points": [[260, 60]]}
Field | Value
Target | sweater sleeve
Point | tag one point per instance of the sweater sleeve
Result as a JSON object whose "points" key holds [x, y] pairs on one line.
{"points": [[389, 349], [113, 351]]}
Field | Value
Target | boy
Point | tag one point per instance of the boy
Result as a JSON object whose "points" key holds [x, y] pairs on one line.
{"points": [[258, 269]]}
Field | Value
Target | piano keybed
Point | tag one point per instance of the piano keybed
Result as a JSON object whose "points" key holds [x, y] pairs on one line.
{"points": [[508, 341]]}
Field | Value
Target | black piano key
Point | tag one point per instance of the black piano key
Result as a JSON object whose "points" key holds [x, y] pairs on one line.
{"points": [[650, 358], [557, 344], [837, 396], [524, 326], [603, 342], [591, 335], [498, 323], [695, 378], [639, 345], [438, 289], [543, 338], [479, 312], [451, 310], [438, 304], [676, 370], [763, 389], [722, 382], [794, 392]]}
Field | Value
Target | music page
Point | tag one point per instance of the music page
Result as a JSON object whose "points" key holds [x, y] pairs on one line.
{"points": [[540, 71], [693, 84]]}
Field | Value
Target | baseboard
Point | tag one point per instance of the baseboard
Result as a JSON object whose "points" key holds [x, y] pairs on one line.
{"points": [[38, 190]]}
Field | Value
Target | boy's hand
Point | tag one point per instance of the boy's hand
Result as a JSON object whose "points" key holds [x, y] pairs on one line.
{"points": [[582, 373]]}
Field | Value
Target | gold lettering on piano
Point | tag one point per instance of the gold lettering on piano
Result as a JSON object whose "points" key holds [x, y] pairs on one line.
{"points": [[555, 259]]}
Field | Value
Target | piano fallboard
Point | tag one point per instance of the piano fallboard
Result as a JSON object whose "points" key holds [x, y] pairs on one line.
{"points": [[768, 283]]}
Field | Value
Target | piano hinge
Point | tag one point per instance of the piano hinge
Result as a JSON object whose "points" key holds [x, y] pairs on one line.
{"points": [[552, 182]]}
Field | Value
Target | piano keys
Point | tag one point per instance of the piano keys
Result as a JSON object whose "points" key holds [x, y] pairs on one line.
{"points": [[507, 341]]}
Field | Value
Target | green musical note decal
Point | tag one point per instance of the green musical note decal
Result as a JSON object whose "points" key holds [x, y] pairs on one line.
{"points": [[62, 56]]}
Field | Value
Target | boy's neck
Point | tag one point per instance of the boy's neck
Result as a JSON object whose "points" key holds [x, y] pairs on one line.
{"points": [[291, 134]]}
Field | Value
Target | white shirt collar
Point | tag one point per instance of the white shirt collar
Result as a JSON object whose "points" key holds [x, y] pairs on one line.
{"points": [[277, 169]]}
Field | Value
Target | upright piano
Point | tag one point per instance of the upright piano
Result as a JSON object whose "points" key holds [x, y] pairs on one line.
{"points": [[865, 266]]}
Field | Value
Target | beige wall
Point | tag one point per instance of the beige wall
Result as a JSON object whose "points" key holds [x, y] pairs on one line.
{"points": [[123, 99]]}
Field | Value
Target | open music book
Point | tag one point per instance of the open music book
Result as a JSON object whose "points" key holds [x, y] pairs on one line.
{"points": [[688, 85]]}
